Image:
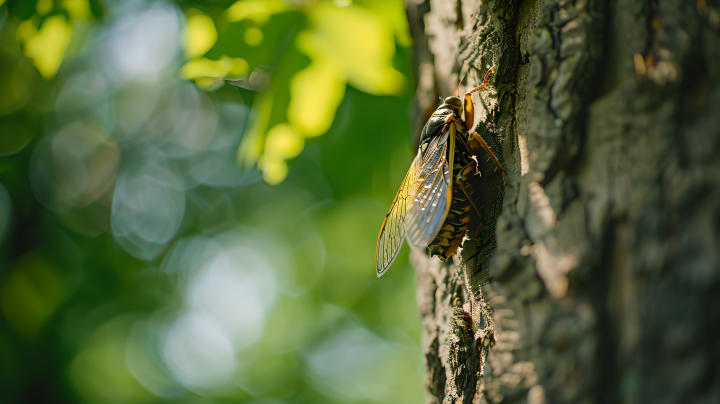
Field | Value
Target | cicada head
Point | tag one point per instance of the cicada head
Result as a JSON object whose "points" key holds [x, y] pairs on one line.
{"points": [[454, 102]]}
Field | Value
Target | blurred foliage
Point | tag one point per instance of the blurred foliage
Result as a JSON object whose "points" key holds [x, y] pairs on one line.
{"points": [[143, 258], [344, 43]]}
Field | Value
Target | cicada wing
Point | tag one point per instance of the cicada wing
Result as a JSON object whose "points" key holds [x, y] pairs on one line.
{"points": [[392, 231], [430, 157], [429, 208]]}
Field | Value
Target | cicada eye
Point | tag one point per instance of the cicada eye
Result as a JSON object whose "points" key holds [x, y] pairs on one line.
{"points": [[454, 101]]}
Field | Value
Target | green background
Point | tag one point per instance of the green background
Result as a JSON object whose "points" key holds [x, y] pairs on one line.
{"points": [[139, 263]]}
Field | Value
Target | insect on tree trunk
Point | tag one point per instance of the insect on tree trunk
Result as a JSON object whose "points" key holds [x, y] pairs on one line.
{"points": [[595, 275]]}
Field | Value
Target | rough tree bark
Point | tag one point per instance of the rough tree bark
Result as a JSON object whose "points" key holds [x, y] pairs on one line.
{"points": [[595, 275]]}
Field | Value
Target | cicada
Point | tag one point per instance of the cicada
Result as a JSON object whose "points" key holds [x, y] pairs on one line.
{"points": [[432, 207]]}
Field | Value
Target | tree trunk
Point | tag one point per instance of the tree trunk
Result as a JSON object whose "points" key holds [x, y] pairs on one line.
{"points": [[594, 276]]}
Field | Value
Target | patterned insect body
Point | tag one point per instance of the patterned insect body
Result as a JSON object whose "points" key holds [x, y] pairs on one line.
{"points": [[456, 222], [432, 207]]}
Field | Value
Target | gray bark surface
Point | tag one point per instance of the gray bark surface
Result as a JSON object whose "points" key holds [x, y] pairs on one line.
{"points": [[595, 275]]}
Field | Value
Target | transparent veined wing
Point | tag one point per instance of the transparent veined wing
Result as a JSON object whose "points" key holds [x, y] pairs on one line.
{"points": [[430, 206], [431, 158]]}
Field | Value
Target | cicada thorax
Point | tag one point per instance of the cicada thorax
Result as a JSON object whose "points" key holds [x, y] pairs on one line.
{"points": [[457, 221]]}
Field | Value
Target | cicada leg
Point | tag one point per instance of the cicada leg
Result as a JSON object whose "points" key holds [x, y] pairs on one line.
{"points": [[492, 156]]}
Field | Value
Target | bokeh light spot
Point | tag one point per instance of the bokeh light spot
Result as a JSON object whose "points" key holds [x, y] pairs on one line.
{"points": [[31, 294], [141, 45], [256, 10], [99, 372], [43, 6], [355, 364], [198, 351], [315, 94], [283, 141], [237, 288], [74, 167], [144, 360], [226, 67], [200, 34], [46, 48], [253, 36], [148, 208], [78, 9]]}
